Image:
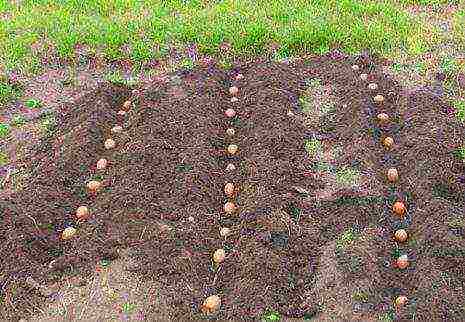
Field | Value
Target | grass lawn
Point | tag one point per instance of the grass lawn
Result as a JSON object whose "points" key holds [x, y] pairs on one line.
{"points": [[143, 30]]}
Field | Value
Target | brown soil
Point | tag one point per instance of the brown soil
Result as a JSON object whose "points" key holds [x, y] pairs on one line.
{"points": [[170, 162]]}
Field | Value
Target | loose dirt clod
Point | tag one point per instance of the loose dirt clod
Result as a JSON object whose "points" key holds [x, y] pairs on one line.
{"points": [[102, 164], [378, 98], [68, 232], [373, 86]]}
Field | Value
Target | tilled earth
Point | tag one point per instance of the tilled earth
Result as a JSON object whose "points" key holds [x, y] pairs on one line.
{"points": [[163, 192]]}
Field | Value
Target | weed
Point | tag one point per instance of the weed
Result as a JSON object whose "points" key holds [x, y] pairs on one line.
{"points": [[48, 125], [187, 63], [346, 239], [397, 67], [360, 296], [115, 77], [327, 107], [295, 26], [420, 67], [4, 159], [4, 130], [18, 120], [322, 166], [97, 177], [387, 317], [460, 108], [128, 308], [456, 223], [314, 83], [183, 167], [8, 92], [33, 103], [347, 176], [460, 152], [270, 316], [280, 56], [131, 81], [396, 253], [69, 80], [225, 64], [305, 104], [294, 211], [360, 201], [448, 65], [313, 146]]}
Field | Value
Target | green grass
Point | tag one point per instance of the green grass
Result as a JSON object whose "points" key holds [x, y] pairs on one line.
{"points": [[449, 65], [18, 120], [33, 103], [305, 104], [360, 296], [460, 153], [387, 316], [4, 159], [460, 107], [8, 92], [4, 130], [116, 77], [458, 26], [312, 146], [271, 316], [149, 27], [346, 239], [187, 63]]}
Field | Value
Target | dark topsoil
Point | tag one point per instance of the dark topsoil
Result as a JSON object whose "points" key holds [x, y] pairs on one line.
{"points": [[170, 163]]}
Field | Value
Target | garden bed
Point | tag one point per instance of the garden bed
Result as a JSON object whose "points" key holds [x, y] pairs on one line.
{"points": [[302, 183]]}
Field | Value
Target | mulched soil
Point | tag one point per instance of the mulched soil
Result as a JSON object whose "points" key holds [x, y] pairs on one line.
{"points": [[169, 165]]}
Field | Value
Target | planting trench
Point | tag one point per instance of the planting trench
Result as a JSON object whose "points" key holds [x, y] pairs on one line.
{"points": [[163, 195]]}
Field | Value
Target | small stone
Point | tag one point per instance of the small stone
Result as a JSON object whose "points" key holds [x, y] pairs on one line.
{"points": [[127, 105], [234, 99], [109, 144], [357, 307], [301, 190], [233, 90], [117, 129], [373, 86], [363, 77], [102, 164], [355, 67], [225, 231], [191, 219], [230, 132], [461, 80]]}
